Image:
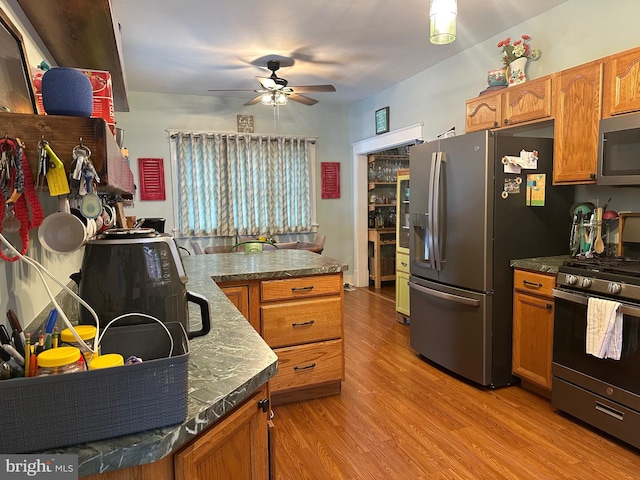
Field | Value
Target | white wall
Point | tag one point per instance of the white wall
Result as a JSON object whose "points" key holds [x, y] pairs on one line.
{"points": [[151, 115]]}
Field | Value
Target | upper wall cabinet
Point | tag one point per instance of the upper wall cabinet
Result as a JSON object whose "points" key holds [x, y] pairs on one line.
{"points": [[526, 102], [577, 92], [621, 83], [529, 101], [81, 34], [484, 112]]}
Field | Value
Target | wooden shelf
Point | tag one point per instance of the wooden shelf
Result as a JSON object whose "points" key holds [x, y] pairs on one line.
{"points": [[81, 34], [63, 133]]}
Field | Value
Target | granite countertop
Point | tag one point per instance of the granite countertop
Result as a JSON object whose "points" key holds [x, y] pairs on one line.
{"points": [[225, 366], [540, 264]]}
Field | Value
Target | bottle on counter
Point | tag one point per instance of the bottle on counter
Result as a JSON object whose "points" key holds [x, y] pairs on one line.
{"points": [[106, 361], [56, 361], [86, 333]]}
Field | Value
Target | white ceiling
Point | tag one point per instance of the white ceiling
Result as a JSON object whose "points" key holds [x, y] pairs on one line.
{"points": [[359, 46]]}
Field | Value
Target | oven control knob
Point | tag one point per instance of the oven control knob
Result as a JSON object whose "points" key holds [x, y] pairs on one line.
{"points": [[571, 279], [585, 282], [614, 288]]}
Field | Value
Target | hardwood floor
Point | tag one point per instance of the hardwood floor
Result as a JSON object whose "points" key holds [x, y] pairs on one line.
{"points": [[398, 417]]}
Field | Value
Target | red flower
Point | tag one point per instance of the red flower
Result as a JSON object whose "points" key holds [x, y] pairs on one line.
{"points": [[517, 42], [526, 37]]}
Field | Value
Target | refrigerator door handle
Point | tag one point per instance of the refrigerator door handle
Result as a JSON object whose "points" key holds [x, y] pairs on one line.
{"points": [[430, 210], [435, 212], [445, 296]]}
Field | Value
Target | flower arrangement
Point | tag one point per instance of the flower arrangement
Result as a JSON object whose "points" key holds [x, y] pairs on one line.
{"points": [[519, 48]]}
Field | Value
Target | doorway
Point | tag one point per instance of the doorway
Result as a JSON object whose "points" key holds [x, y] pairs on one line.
{"points": [[360, 151]]}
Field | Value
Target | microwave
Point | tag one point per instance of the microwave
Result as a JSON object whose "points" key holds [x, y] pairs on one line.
{"points": [[619, 150]]}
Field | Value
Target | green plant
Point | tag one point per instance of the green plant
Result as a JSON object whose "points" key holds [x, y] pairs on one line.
{"points": [[519, 48]]}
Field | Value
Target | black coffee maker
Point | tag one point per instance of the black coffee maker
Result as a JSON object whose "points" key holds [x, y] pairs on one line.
{"points": [[137, 271]]}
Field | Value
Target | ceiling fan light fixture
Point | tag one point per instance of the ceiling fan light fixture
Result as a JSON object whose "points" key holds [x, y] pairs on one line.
{"points": [[442, 15], [281, 98], [274, 98]]}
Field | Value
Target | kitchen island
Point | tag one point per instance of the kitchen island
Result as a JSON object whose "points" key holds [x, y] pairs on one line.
{"points": [[226, 366]]}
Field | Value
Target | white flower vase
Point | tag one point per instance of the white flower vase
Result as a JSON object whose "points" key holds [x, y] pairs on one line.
{"points": [[516, 71]]}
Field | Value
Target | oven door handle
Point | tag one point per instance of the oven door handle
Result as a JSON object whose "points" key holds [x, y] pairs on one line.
{"points": [[584, 300]]}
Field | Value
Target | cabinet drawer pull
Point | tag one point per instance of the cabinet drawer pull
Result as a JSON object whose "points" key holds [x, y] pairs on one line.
{"points": [[404, 264], [302, 324], [264, 405], [295, 289], [601, 407], [306, 367], [531, 284]]}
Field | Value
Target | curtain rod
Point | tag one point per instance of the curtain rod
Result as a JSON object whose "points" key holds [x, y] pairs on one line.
{"points": [[263, 135]]}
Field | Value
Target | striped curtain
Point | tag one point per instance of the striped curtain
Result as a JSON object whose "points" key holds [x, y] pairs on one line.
{"points": [[239, 184]]}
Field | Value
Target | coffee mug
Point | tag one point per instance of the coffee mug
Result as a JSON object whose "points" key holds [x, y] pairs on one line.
{"points": [[108, 217]]}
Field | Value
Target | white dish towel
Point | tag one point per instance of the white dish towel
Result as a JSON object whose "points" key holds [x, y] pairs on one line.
{"points": [[604, 328]]}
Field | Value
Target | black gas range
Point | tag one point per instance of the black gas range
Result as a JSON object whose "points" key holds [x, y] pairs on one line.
{"points": [[600, 391], [612, 277]]}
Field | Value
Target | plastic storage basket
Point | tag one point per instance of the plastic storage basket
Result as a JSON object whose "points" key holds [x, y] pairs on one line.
{"points": [[55, 411]]}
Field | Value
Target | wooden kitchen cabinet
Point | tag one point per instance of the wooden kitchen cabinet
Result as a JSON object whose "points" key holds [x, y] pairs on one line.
{"points": [[402, 247], [533, 309], [577, 93], [236, 447], [239, 296], [527, 102], [402, 287], [382, 249], [484, 112], [621, 84], [301, 318]]}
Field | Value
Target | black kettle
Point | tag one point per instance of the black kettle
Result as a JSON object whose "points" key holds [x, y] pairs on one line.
{"points": [[136, 270]]}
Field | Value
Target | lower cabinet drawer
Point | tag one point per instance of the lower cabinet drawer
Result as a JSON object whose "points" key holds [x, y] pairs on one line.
{"points": [[300, 287], [293, 323], [311, 364]]}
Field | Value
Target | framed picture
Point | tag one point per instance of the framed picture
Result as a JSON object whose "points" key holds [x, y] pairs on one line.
{"points": [[382, 120]]}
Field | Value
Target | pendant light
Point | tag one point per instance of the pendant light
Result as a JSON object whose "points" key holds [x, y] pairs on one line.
{"points": [[442, 15]]}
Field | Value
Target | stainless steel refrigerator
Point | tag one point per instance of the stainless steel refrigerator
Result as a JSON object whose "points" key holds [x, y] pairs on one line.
{"points": [[468, 220]]}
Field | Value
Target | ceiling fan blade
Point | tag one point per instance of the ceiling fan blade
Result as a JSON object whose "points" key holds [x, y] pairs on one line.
{"points": [[268, 83], [232, 90], [314, 88], [302, 99], [254, 100]]}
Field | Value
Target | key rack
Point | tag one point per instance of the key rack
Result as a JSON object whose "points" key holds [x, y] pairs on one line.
{"points": [[63, 134]]}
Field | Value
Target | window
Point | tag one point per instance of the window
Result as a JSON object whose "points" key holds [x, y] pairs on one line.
{"points": [[242, 184]]}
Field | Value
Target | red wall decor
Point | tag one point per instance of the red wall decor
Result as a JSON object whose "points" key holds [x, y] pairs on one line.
{"points": [[330, 175], [151, 172]]}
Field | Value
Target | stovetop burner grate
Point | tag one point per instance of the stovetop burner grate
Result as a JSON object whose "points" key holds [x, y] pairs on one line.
{"points": [[629, 266]]}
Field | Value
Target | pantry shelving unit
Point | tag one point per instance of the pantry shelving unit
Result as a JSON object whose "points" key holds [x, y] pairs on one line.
{"points": [[382, 210]]}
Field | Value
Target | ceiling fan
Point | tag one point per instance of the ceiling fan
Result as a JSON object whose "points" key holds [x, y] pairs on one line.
{"points": [[276, 91]]}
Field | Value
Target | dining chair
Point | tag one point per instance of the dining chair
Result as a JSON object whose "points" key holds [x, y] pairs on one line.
{"points": [[197, 249]]}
